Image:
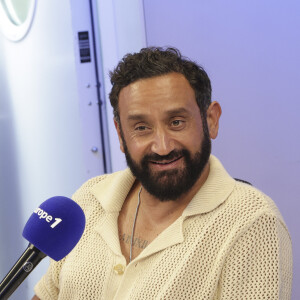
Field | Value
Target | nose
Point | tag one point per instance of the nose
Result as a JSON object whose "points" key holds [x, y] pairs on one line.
{"points": [[162, 143]]}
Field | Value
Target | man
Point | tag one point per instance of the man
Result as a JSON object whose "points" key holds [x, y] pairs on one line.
{"points": [[174, 225]]}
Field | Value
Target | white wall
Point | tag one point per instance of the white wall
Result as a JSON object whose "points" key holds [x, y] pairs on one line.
{"points": [[251, 52], [41, 152], [9, 193], [122, 30]]}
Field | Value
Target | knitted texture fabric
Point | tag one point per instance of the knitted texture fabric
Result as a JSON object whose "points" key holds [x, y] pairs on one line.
{"points": [[230, 243]]}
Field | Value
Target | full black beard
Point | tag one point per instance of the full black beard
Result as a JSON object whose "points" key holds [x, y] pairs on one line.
{"points": [[169, 185]]}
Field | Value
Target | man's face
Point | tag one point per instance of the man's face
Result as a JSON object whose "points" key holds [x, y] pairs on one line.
{"points": [[162, 135]]}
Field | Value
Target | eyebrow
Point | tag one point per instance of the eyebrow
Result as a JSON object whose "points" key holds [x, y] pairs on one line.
{"points": [[136, 117], [177, 111], [171, 112]]}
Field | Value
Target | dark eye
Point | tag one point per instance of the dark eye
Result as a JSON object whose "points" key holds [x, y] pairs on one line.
{"points": [[177, 123], [140, 128]]}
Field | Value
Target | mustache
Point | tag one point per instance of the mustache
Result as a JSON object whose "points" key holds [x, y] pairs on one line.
{"points": [[172, 155]]}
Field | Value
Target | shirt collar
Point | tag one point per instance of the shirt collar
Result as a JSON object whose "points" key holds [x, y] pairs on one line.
{"points": [[112, 191], [215, 190]]}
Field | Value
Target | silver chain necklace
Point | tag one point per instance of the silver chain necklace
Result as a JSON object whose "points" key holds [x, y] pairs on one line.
{"points": [[133, 226]]}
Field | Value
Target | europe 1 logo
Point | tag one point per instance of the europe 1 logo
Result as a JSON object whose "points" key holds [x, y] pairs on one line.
{"points": [[48, 218]]}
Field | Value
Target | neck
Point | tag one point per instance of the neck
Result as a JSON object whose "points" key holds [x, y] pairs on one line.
{"points": [[158, 212]]}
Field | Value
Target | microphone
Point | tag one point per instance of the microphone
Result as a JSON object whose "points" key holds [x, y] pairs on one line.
{"points": [[53, 230]]}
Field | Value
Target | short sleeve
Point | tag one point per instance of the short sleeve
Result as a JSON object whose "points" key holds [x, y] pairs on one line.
{"points": [[259, 265]]}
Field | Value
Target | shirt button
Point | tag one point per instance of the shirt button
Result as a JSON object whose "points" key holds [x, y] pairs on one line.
{"points": [[119, 269]]}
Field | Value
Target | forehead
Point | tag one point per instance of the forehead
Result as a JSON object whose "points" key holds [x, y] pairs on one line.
{"points": [[165, 92]]}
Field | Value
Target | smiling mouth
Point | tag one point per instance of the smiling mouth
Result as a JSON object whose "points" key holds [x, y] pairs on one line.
{"points": [[167, 162]]}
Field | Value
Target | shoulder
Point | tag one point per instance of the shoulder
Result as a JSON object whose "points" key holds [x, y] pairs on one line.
{"points": [[248, 204], [252, 197]]}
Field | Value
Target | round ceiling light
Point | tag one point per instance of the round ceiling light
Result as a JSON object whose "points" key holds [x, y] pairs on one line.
{"points": [[16, 17]]}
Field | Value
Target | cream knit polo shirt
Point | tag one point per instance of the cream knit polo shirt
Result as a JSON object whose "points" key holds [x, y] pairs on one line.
{"points": [[230, 243]]}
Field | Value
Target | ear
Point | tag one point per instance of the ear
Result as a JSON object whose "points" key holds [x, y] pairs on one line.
{"points": [[213, 115], [117, 125]]}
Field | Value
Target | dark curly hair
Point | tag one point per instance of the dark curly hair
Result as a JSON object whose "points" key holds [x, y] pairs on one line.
{"points": [[156, 61]]}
